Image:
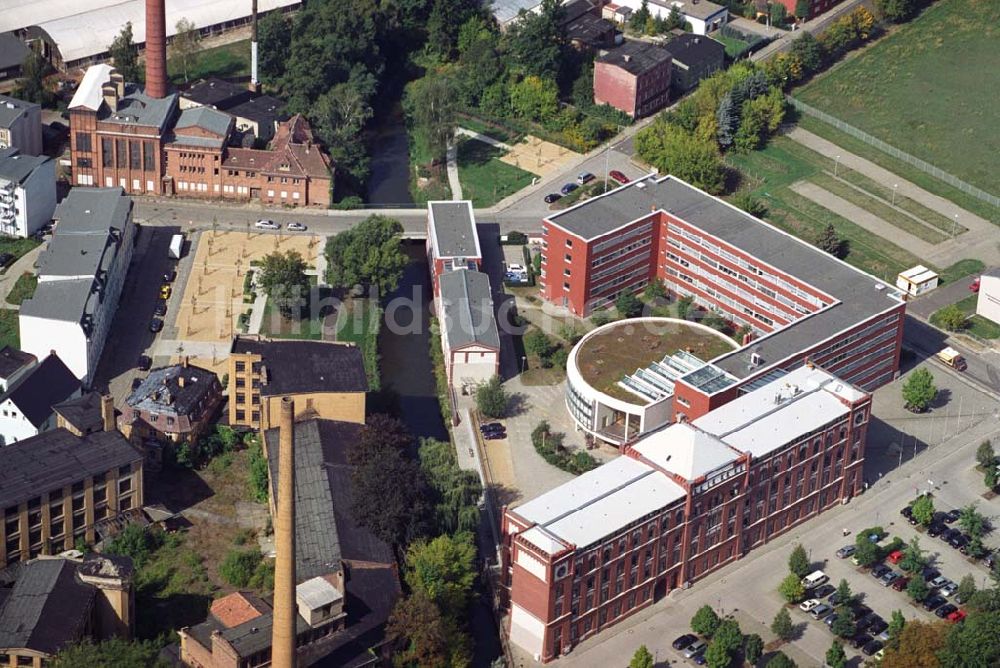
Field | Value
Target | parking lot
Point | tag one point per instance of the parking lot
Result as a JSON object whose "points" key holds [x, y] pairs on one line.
{"points": [[906, 454]]}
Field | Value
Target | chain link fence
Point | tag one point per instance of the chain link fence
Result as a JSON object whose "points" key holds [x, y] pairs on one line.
{"points": [[922, 165]]}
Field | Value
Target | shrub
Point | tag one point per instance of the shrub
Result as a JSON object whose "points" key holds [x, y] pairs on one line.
{"points": [[782, 625], [550, 446], [516, 239], [492, 398], [791, 588], [238, 566], [258, 472], [136, 542], [349, 202], [601, 317]]}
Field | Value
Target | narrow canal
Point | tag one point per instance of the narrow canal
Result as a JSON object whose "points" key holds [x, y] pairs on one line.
{"points": [[407, 371], [389, 183]]}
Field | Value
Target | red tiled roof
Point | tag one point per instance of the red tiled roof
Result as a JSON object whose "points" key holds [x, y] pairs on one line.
{"points": [[293, 152], [238, 608]]}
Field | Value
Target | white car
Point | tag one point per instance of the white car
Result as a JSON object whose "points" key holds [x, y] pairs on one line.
{"points": [[264, 224], [297, 227], [948, 589], [806, 606], [939, 582]]}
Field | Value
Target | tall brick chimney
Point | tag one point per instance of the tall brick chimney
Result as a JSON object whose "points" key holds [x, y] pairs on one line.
{"points": [[156, 48], [254, 81], [107, 412], [283, 631]]}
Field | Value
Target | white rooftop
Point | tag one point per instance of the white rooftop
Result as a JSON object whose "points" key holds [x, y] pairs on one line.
{"points": [[89, 95], [781, 411], [593, 505], [316, 592], [919, 274], [686, 451]]}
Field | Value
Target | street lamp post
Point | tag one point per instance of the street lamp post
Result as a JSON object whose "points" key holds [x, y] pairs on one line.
{"points": [[894, 187], [954, 226], [836, 165]]}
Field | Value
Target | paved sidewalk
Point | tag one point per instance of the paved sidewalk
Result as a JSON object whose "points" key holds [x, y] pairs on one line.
{"points": [[980, 239], [453, 182], [483, 138], [25, 263], [257, 314]]}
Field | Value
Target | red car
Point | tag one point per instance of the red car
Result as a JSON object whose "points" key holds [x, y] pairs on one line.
{"points": [[974, 285], [618, 176], [896, 556], [956, 616]]}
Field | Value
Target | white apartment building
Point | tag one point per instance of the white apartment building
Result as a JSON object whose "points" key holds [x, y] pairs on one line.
{"points": [[80, 279], [27, 192], [26, 406]]}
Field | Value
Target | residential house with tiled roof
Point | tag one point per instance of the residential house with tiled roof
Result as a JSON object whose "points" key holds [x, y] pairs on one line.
{"points": [[26, 406]]}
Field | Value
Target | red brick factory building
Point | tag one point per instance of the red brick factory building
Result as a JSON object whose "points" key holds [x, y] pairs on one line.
{"points": [[680, 503], [798, 301], [633, 77]]}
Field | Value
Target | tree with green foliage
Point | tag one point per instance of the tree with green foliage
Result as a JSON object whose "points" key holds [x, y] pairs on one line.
{"points": [[640, 17], [782, 626], [382, 436], [986, 456], [725, 643], [536, 41], [919, 644], [972, 521], [628, 305], [684, 305], [966, 588], [426, 636], [397, 514], [917, 588], [976, 549], [654, 290], [444, 569], [492, 398], [369, 253], [923, 509], [745, 200], [259, 487], [186, 46], [896, 11], [951, 318], [238, 566], [125, 56], [31, 84], [116, 652], [537, 342], [283, 277], [844, 625], [444, 25], [705, 621], [535, 98], [780, 660], [974, 642], [642, 658], [753, 648], [896, 624], [429, 103], [914, 559], [778, 14], [866, 552], [809, 52], [135, 542], [791, 588], [919, 390], [990, 478], [601, 317], [802, 9], [830, 242], [844, 594], [457, 491], [673, 150], [835, 656], [274, 37], [798, 561], [339, 116]]}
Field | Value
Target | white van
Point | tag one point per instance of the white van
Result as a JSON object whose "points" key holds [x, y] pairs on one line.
{"points": [[814, 579]]}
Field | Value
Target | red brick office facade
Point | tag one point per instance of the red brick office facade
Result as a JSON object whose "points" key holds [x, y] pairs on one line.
{"points": [[589, 588], [637, 95]]}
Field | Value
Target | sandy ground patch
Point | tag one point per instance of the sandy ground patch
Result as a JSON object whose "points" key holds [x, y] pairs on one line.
{"points": [[213, 296], [539, 157]]}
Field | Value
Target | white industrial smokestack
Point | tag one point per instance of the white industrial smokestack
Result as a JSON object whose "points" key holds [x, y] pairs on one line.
{"points": [[254, 81]]}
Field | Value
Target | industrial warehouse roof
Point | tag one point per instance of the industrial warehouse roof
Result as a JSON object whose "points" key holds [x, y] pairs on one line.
{"points": [[782, 411], [860, 295], [635, 57], [217, 93], [85, 29], [453, 229], [297, 367], [686, 451], [206, 118], [57, 458], [586, 508], [468, 309], [47, 608]]}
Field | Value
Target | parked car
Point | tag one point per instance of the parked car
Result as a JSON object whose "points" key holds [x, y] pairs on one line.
{"points": [[618, 176], [695, 648], [494, 435], [945, 610], [860, 640], [947, 535], [990, 560], [584, 177], [861, 624], [895, 556], [906, 512], [161, 309], [948, 590], [831, 620], [879, 570], [699, 659], [900, 583], [820, 611], [929, 573], [888, 578], [938, 582], [959, 542], [684, 641], [491, 426], [297, 227], [834, 599], [952, 515], [568, 188], [933, 602], [264, 224], [935, 530], [155, 325], [144, 363], [846, 551], [862, 610], [806, 606], [823, 591], [878, 626], [552, 197], [956, 616], [170, 276], [815, 579], [974, 285], [165, 291], [872, 647], [939, 516]]}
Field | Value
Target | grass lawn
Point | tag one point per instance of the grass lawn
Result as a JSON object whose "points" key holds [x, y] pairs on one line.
{"points": [[976, 325], [960, 270], [435, 187], [769, 173], [734, 47], [485, 179], [9, 332], [228, 60], [930, 88], [308, 327], [17, 246], [23, 289], [505, 135]]}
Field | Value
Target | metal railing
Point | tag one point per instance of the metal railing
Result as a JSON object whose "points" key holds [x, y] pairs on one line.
{"points": [[888, 149]]}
